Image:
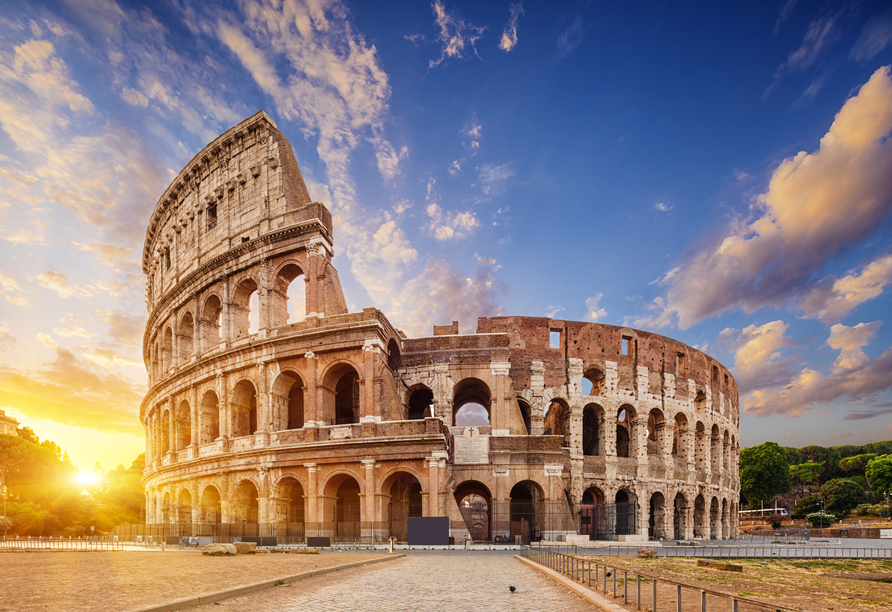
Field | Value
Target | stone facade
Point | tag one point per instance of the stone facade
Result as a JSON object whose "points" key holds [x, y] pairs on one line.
{"points": [[271, 404], [8, 425]]}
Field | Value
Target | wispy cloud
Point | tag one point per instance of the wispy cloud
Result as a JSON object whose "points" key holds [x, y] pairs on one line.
{"points": [[760, 358], [570, 38], [471, 135], [456, 37], [509, 33], [663, 207], [593, 309], [494, 179], [450, 225], [820, 34], [59, 283], [815, 205], [785, 11], [833, 298], [875, 36]]}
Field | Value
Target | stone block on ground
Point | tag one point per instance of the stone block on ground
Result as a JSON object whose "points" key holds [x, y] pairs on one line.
{"points": [[218, 550], [245, 548], [647, 553], [728, 567]]}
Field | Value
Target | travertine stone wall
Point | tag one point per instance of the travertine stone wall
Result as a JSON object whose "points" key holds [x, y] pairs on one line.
{"points": [[255, 414]]}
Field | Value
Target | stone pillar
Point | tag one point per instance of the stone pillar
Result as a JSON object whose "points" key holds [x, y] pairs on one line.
{"points": [[172, 427], [261, 438], [150, 513], [224, 510], [312, 408], [537, 403], [196, 327], [225, 322], [174, 344], [368, 510], [147, 426], [193, 434], [263, 499], [315, 306], [501, 400], [435, 462], [442, 394], [312, 493], [225, 424], [370, 353], [263, 292]]}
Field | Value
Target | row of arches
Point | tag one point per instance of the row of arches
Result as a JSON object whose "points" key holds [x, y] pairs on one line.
{"points": [[217, 317]]}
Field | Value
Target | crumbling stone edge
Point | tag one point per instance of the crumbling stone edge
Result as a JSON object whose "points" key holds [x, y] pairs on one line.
{"points": [[206, 598], [590, 596]]}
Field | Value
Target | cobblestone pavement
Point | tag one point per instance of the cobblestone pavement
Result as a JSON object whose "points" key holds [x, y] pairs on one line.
{"points": [[426, 580]]}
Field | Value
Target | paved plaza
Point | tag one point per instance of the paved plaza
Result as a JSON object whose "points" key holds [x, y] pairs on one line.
{"points": [[424, 580]]}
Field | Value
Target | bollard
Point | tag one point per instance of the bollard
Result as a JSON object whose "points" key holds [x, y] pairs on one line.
{"points": [[625, 587], [590, 574], [702, 601], [639, 592], [614, 583], [678, 603]]}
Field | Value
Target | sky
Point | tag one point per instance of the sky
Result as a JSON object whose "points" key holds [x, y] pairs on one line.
{"points": [[720, 173]]}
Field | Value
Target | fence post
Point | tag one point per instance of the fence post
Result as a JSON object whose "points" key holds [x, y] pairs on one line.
{"points": [[702, 601], [678, 602], [639, 592], [589, 574], [655, 595], [625, 587], [614, 583]]}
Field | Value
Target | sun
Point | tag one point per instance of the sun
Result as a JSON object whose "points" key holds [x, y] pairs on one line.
{"points": [[87, 478]]}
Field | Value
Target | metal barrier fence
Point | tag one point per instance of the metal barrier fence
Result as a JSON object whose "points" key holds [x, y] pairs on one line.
{"points": [[601, 577], [72, 545], [731, 552]]}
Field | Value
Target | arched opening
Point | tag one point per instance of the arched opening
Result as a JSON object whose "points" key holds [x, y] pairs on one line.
{"points": [[208, 418], [726, 520], [184, 507], [211, 323], [420, 403], [715, 459], [296, 405], [526, 512], [700, 401], [715, 525], [626, 512], [341, 395], [244, 506], [167, 351], [474, 501], [165, 509], [393, 354], [165, 432], [244, 409], [593, 382], [655, 428], [657, 517], [186, 337], [592, 429], [348, 510], [701, 446], [244, 309], [290, 510], [679, 516], [526, 413], [183, 426], [626, 432], [471, 403], [210, 506], [726, 451], [287, 401], [405, 502], [593, 517], [700, 525], [557, 419], [288, 299], [679, 438]]}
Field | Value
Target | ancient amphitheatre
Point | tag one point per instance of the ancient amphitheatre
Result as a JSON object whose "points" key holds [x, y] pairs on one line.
{"points": [[272, 410]]}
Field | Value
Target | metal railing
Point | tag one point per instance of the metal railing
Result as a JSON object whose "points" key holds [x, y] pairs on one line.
{"points": [[602, 577], [51, 544], [732, 552]]}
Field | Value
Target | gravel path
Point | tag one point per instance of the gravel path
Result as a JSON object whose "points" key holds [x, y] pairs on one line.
{"points": [[128, 580]]}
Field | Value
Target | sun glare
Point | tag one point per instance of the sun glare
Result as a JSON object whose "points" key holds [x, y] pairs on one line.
{"points": [[86, 478]]}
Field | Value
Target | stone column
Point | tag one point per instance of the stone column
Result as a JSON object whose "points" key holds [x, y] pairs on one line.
{"points": [[174, 344], [442, 394], [312, 504], [311, 399], [263, 499], [225, 425], [370, 353], [193, 437], [436, 461], [172, 427], [537, 404], [368, 511], [263, 407], [225, 317], [196, 327], [315, 307], [500, 417], [147, 425], [263, 291]]}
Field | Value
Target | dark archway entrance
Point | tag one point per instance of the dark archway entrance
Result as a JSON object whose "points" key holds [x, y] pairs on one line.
{"points": [[474, 502]]}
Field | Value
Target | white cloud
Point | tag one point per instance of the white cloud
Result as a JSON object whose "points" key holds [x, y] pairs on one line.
{"points": [[785, 11], [471, 135], [593, 309], [494, 179], [133, 97], [456, 36], [7, 340], [759, 359], [58, 282], [833, 298], [658, 316], [816, 204], [853, 377], [8, 287], [552, 311], [450, 224], [454, 167], [663, 207], [509, 34]]}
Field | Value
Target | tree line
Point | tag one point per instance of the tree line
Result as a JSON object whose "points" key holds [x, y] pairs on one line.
{"points": [[44, 495], [849, 480]]}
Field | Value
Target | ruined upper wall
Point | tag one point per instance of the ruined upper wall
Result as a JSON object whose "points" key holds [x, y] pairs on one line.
{"points": [[244, 184], [594, 343]]}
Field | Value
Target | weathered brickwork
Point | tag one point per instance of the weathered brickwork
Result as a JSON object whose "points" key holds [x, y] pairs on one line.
{"points": [[280, 410]]}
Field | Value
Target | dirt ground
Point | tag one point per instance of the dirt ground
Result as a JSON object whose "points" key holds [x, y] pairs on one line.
{"points": [[809, 585], [129, 580]]}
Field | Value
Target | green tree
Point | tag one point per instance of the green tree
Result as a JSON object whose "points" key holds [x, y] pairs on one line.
{"points": [[26, 433], [806, 506], [807, 472], [841, 495], [764, 473], [879, 473], [857, 464]]}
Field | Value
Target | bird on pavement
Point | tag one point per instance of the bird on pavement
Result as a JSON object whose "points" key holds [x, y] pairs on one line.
{"points": [[512, 589]]}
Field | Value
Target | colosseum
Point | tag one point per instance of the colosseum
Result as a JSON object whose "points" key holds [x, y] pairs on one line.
{"points": [[273, 411]]}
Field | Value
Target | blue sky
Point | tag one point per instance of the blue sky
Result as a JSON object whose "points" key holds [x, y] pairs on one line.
{"points": [[718, 173]]}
